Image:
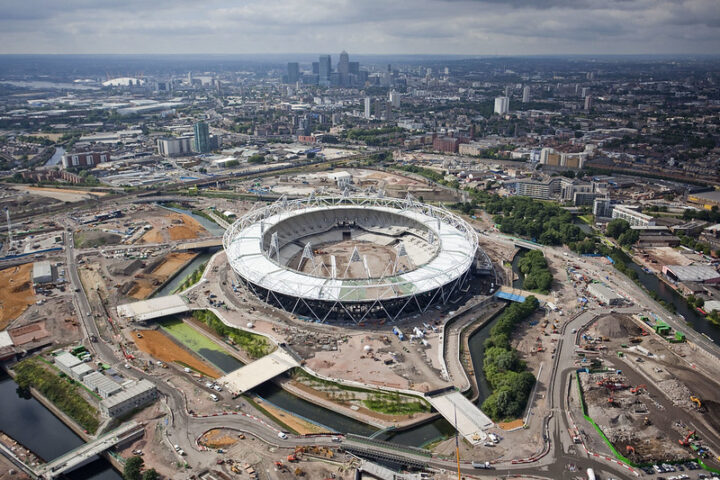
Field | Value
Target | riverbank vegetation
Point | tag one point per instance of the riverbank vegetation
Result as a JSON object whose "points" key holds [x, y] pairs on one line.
{"points": [[506, 374], [255, 345], [536, 271], [63, 392], [191, 279]]}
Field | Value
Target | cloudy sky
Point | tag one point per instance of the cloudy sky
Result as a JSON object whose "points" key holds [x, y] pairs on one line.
{"points": [[482, 27]]}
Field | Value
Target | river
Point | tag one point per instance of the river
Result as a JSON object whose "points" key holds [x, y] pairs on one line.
{"points": [[168, 288], [209, 225], [34, 426], [56, 158]]}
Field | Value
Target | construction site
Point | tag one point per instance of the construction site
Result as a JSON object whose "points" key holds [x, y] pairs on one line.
{"points": [[644, 393]]}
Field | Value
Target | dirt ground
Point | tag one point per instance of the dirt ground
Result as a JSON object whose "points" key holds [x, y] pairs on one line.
{"points": [[173, 226], [217, 438], [28, 333], [92, 238], [62, 194], [146, 283], [17, 293], [163, 348], [379, 258]]}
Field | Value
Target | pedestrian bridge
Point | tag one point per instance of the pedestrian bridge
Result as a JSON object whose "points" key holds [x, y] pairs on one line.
{"points": [[518, 295], [260, 371], [469, 420], [85, 452], [153, 308]]}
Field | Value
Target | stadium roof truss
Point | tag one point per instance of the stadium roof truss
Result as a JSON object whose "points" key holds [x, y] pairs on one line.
{"points": [[255, 259]]}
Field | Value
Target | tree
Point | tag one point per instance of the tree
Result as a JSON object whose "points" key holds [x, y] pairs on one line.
{"points": [[133, 467], [257, 158], [617, 227], [150, 475]]}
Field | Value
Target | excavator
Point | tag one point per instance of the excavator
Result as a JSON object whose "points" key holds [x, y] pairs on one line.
{"points": [[637, 389], [685, 442], [696, 400], [630, 450]]}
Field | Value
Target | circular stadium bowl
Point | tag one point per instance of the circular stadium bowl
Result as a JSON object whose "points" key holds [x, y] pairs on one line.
{"points": [[432, 253]]}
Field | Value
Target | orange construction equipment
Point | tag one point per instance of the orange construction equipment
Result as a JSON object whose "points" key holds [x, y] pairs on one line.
{"points": [[291, 458], [686, 441], [637, 389], [696, 400], [630, 450]]}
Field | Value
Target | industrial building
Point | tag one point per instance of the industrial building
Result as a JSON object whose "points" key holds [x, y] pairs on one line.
{"points": [[691, 273], [102, 384], [42, 273], [79, 372], [134, 396], [65, 362], [604, 294]]}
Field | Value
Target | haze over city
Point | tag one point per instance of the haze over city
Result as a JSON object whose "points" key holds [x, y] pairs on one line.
{"points": [[465, 27]]}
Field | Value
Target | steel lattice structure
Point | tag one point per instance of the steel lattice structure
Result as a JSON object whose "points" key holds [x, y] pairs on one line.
{"points": [[253, 243]]}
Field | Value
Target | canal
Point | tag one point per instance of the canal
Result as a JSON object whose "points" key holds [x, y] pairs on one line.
{"points": [[56, 158], [170, 286], [34, 426], [209, 225], [667, 293]]}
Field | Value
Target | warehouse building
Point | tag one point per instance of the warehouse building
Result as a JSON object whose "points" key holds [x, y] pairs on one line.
{"points": [[42, 273], [78, 372], [102, 385], [65, 362], [135, 396], [692, 273], [604, 294]]}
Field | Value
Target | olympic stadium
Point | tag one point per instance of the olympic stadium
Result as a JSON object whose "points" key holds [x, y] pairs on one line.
{"points": [[340, 258]]}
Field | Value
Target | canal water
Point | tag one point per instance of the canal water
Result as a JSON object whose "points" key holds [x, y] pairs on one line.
{"points": [[56, 158], [665, 292], [31, 424]]}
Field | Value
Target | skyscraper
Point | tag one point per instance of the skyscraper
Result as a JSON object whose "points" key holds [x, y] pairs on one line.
{"points": [[293, 72], [324, 70], [343, 66], [368, 106], [394, 99], [202, 137], [526, 94], [588, 102]]}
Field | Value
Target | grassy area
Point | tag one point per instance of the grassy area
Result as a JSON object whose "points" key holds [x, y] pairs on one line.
{"points": [[255, 345], [377, 401], [191, 279], [61, 391]]}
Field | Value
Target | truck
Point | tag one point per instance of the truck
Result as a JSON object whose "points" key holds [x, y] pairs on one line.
{"points": [[481, 465], [590, 474]]}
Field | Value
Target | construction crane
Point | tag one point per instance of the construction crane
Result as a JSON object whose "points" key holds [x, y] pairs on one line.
{"points": [[686, 441]]}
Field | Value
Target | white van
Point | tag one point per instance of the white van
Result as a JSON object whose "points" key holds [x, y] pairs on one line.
{"points": [[282, 435], [214, 397]]}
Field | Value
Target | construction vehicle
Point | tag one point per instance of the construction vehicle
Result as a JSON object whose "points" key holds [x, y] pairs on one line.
{"points": [[637, 389], [298, 472], [291, 458], [630, 450], [612, 385], [685, 442], [696, 400], [646, 421]]}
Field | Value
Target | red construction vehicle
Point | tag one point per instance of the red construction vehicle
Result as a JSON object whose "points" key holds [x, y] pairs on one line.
{"points": [[686, 441], [630, 450], [292, 458], [637, 389]]}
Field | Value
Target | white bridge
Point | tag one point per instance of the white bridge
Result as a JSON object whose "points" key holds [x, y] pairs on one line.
{"points": [[470, 420], [260, 371]]}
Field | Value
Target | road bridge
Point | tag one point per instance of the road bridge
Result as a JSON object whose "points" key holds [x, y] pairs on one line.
{"points": [[153, 308], [200, 244], [260, 371], [75, 457]]}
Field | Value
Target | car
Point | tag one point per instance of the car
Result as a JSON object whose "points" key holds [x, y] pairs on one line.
{"points": [[282, 435]]}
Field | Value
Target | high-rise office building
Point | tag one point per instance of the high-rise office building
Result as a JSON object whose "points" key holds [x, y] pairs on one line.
{"points": [[526, 94], [343, 66], [354, 67], [588, 102], [368, 106], [202, 137], [293, 72], [316, 68], [502, 105], [324, 69]]}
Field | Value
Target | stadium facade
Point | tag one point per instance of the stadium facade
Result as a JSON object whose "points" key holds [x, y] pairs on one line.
{"points": [[439, 246]]}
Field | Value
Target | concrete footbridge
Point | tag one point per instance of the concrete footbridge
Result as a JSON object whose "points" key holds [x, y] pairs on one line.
{"points": [[457, 409], [260, 371], [145, 310], [87, 451]]}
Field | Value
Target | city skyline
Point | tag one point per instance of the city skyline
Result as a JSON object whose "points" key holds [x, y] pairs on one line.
{"points": [[483, 27]]}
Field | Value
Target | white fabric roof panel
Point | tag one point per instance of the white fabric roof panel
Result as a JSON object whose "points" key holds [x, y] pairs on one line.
{"points": [[247, 259]]}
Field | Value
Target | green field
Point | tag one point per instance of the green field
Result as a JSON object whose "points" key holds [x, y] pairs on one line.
{"points": [[201, 344]]}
